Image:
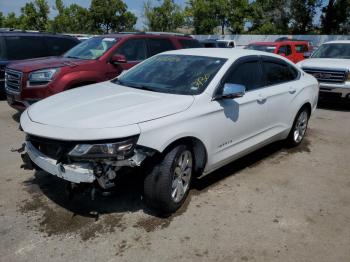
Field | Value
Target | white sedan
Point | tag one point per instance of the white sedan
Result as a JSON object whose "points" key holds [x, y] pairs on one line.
{"points": [[178, 115]]}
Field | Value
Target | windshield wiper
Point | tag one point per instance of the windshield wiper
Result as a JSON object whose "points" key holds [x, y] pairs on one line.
{"points": [[133, 85]]}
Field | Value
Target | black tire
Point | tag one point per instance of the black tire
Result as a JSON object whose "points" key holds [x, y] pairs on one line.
{"points": [[291, 140], [159, 182]]}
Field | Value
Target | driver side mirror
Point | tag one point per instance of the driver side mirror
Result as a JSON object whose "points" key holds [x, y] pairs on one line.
{"points": [[231, 91], [282, 54], [118, 59]]}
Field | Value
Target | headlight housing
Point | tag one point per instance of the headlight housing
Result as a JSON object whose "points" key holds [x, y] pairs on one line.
{"points": [[42, 77], [119, 150]]}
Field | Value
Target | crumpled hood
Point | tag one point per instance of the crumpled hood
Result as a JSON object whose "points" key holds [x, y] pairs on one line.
{"points": [[325, 63], [30, 65], [106, 105]]}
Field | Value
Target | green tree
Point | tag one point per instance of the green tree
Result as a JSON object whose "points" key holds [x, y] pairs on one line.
{"points": [[11, 21], [35, 15], [206, 15], [111, 15], [302, 13], [167, 16], [269, 17], [239, 11], [335, 17], [2, 19], [71, 19]]}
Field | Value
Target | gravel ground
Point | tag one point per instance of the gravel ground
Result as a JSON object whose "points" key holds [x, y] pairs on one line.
{"points": [[276, 204]]}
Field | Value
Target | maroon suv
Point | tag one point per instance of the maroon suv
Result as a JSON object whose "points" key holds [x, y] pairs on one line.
{"points": [[97, 59]]}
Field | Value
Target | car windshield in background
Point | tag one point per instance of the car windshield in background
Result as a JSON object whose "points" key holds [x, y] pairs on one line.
{"points": [[175, 74], [341, 51], [92, 48], [264, 48]]}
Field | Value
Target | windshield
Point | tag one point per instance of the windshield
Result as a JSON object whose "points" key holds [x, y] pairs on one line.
{"points": [[264, 48], [333, 51], [176, 74], [92, 48]]}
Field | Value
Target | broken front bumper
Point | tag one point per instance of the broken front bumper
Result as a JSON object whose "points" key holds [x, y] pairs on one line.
{"points": [[76, 173]]}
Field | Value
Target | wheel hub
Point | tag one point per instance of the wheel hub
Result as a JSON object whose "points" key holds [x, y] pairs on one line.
{"points": [[182, 176]]}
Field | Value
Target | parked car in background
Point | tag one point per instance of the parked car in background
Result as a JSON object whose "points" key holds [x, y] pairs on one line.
{"points": [[295, 51], [228, 43], [213, 43], [330, 65], [94, 60], [179, 115], [311, 46], [19, 45]]}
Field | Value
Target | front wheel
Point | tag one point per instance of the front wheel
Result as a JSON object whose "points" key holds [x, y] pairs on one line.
{"points": [[299, 127], [167, 186]]}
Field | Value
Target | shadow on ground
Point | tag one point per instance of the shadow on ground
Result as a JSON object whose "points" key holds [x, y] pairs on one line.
{"points": [[333, 105], [127, 195]]}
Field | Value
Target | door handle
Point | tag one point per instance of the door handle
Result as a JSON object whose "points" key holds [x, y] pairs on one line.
{"points": [[292, 90], [261, 99]]}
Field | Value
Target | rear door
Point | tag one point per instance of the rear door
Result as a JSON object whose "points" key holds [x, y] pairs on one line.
{"points": [[280, 80], [300, 49], [25, 47], [286, 51], [59, 45], [159, 45]]}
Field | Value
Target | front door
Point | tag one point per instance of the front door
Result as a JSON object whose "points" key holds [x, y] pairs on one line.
{"points": [[134, 50], [239, 123]]}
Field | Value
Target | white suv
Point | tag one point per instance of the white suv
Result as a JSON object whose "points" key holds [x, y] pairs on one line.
{"points": [[330, 64], [183, 113]]}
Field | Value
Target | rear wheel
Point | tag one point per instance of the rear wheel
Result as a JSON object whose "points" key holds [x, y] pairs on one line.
{"points": [[299, 128], [167, 186]]}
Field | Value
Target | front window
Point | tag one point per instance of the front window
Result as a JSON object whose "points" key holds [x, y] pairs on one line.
{"points": [[175, 74], [341, 51], [91, 49], [264, 48]]}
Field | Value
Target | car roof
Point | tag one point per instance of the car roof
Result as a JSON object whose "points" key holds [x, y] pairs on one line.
{"points": [[29, 33], [145, 34], [228, 53], [338, 42], [280, 43], [265, 43]]}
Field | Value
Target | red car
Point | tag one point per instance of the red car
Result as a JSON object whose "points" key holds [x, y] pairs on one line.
{"points": [[95, 60], [293, 50]]}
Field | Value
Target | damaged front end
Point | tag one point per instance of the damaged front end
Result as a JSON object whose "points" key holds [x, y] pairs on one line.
{"points": [[96, 162]]}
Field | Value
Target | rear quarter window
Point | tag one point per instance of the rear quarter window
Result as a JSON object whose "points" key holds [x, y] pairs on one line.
{"points": [[59, 45], [24, 47]]}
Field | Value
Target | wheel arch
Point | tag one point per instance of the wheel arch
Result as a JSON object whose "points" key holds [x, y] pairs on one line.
{"points": [[200, 153]]}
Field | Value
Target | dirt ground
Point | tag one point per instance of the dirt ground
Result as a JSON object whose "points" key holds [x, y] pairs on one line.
{"points": [[276, 204]]}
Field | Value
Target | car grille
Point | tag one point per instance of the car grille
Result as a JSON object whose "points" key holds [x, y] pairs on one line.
{"points": [[13, 80], [328, 76], [51, 148]]}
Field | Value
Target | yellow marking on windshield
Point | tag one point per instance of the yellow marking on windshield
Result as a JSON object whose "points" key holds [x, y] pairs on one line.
{"points": [[200, 81]]}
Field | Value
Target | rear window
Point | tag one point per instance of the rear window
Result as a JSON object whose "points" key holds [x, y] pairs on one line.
{"points": [[58, 45], [24, 47], [189, 43], [157, 45], [301, 48]]}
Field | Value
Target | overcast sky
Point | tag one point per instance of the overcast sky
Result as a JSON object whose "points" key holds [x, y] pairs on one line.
{"points": [[135, 6]]}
